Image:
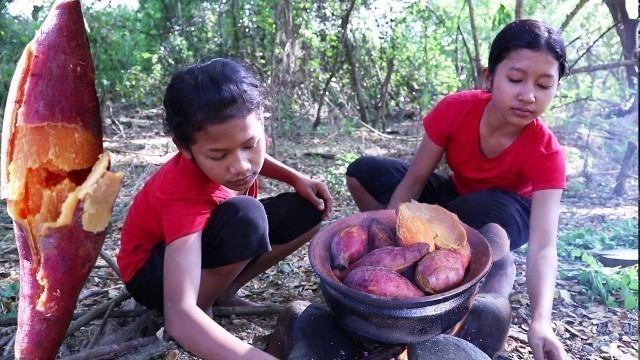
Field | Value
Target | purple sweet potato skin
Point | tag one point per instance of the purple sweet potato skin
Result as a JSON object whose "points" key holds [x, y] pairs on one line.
{"points": [[380, 235], [439, 271], [349, 245], [396, 258], [464, 252], [380, 281]]}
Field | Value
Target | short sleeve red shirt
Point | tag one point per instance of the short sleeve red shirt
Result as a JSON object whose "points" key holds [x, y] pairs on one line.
{"points": [[176, 201], [534, 161]]}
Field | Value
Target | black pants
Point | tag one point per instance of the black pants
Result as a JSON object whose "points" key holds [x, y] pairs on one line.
{"points": [[381, 175], [240, 228]]}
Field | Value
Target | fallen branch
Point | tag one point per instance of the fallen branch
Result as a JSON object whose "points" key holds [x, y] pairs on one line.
{"points": [[130, 331], [115, 350], [247, 310], [98, 333], [9, 348], [149, 351], [95, 313], [91, 293], [112, 264], [387, 136], [134, 313]]}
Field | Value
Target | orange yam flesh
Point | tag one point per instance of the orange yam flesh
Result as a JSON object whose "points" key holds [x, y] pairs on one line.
{"points": [[55, 177], [433, 224]]}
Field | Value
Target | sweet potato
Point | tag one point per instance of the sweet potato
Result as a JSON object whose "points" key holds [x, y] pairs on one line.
{"points": [[464, 252], [380, 281], [417, 222], [55, 177], [411, 226], [439, 271], [380, 235], [348, 245], [396, 258]]}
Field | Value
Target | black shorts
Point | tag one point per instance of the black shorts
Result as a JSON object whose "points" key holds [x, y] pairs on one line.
{"points": [[240, 228], [381, 175]]}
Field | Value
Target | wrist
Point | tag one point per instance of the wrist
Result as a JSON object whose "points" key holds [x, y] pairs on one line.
{"points": [[540, 319]]}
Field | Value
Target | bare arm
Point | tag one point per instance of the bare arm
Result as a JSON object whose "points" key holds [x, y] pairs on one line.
{"points": [[184, 320], [542, 267], [316, 192], [424, 163]]}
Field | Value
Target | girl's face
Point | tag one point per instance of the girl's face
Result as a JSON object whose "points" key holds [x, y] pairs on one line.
{"points": [[523, 85], [230, 154]]}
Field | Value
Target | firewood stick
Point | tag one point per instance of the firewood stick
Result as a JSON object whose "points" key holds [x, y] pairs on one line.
{"points": [[98, 333], [130, 331], [115, 350], [92, 315], [149, 351], [220, 311], [112, 264]]}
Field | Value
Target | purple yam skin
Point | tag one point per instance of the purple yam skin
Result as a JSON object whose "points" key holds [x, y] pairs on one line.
{"points": [[396, 258], [439, 271], [348, 245], [380, 235], [380, 281]]}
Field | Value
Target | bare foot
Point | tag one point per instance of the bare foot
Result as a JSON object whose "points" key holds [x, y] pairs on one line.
{"points": [[234, 300]]}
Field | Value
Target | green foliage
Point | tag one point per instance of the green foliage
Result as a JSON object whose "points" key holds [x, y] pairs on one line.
{"points": [[613, 286], [137, 49], [9, 299], [618, 234]]}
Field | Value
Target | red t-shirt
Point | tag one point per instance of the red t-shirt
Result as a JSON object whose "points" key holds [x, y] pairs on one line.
{"points": [[176, 201], [534, 161]]}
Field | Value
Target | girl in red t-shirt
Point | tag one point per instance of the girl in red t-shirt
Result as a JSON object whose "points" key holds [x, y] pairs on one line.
{"points": [[196, 232], [507, 170]]}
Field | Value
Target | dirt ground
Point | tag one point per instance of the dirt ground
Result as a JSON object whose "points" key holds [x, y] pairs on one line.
{"points": [[588, 329]]}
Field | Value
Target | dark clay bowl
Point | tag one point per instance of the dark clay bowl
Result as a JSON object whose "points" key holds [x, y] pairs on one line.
{"points": [[395, 321]]}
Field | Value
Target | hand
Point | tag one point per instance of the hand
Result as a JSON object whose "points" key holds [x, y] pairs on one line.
{"points": [[317, 193], [545, 343]]}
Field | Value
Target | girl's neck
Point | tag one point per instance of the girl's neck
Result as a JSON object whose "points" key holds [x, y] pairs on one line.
{"points": [[495, 134]]}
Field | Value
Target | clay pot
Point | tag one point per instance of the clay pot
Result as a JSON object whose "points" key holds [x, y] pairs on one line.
{"points": [[395, 321]]}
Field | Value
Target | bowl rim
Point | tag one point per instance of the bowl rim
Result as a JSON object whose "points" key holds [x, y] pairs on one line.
{"points": [[332, 281]]}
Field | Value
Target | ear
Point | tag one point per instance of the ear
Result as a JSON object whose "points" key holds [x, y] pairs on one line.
{"points": [[487, 79]]}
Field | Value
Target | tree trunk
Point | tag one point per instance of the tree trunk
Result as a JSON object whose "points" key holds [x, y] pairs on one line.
{"points": [[382, 105], [621, 180], [519, 9], [355, 79], [334, 67], [627, 31], [476, 62]]}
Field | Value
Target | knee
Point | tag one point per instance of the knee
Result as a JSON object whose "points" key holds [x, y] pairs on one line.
{"points": [[353, 183], [245, 211]]}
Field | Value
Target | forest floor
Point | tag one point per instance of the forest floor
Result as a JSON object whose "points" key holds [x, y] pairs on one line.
{"points": [[588, 329]]}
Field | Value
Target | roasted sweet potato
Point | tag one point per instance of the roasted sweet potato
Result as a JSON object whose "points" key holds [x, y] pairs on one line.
{"points": [[411, 226], [348, 245], [396, 258], [380, 281], [380, 235], [464, 252], [55, 177], [433, 224], [439, 271]]}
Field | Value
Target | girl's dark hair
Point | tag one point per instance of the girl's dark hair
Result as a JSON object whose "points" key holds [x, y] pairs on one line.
{"points": [[207, 94], [528, 34]]}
